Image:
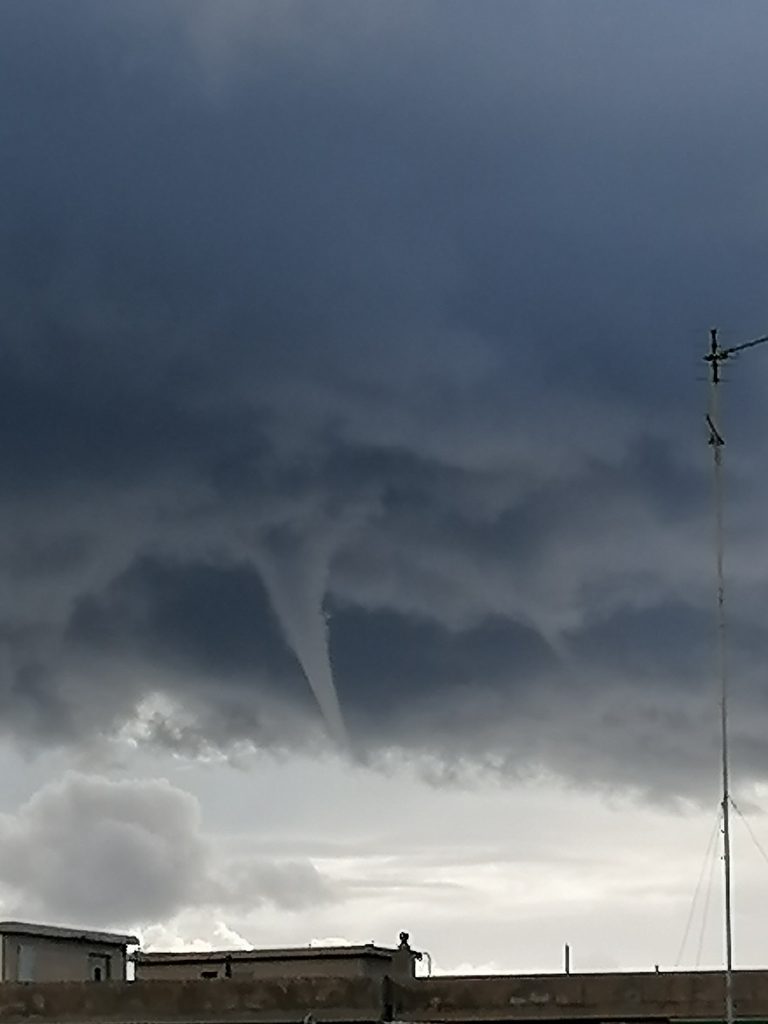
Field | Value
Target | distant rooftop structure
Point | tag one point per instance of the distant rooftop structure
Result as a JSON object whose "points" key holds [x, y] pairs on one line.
{"points": [[40, 952], [278, 953], [50, 931], [366, 961]]}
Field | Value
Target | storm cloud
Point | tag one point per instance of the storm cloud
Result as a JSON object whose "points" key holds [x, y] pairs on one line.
{"points": [[384, 319]]}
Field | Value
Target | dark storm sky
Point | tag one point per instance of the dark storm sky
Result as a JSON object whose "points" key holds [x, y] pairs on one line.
{"points": [[399, 308]]}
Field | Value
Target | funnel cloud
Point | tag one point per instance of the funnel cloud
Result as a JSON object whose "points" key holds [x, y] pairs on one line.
{"points": [[295, 570]]}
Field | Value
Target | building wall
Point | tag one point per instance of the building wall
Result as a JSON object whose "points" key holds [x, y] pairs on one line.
{"points": [[299, 967], [574, 999], [682, 996], [279, 1001], [38, 958]]}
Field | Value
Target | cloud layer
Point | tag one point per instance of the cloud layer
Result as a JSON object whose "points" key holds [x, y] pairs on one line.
{"points": [[390, 316]]}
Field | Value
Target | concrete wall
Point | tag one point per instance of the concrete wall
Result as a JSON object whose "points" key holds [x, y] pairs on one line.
{"points": [[587, 997], [683, 995], [329, 1000], [57, 959]]}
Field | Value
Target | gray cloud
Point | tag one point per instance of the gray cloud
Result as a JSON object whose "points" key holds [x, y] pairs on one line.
{"points": [[102, 851], [132, 853], [423, 289]]}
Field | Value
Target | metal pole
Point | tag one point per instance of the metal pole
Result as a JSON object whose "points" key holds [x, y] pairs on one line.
{"points": [[715, 357], [717, 443]]}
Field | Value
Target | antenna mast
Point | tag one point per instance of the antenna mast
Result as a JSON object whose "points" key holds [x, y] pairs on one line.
{"points": [[715, 357]]}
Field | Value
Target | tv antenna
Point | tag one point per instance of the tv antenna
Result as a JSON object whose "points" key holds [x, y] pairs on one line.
{"points": [[716, 357]]}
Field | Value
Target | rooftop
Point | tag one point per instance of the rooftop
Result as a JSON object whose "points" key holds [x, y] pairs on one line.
{"points": [[47, 931], [292, 953]]}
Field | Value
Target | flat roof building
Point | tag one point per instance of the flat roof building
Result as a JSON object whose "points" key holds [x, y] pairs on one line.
{"points": [[368, 961], [36, 952]]}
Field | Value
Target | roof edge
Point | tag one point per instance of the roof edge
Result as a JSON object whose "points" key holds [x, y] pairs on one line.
{"points": [[290, 953], [49, 931]]}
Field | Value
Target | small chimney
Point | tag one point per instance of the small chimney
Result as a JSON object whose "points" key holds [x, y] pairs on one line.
{"points": [[404, 959]]}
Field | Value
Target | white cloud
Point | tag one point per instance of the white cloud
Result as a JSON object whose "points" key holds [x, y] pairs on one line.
{"points": [[132, 852], [85, 848]]}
